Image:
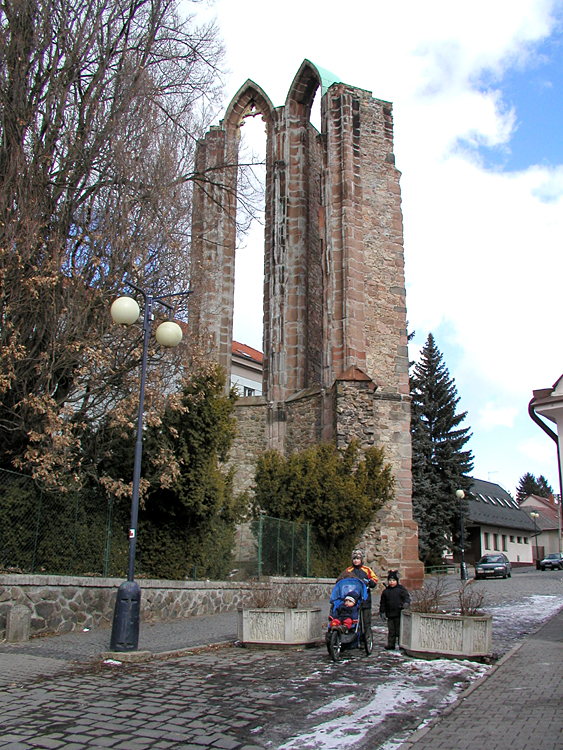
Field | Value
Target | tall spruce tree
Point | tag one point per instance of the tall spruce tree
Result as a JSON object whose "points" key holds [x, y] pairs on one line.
{"points": [[439, 464], [529, 485]]}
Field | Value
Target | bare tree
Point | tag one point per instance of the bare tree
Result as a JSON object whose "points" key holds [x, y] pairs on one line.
{"points": [[101, 103]]}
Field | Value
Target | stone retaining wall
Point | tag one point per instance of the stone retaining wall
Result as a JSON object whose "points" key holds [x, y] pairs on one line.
{"points": [[60, 604]]}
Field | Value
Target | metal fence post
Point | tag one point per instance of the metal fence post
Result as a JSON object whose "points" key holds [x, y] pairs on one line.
{"points": [[278, 548], [260, 528], [308, 545], [292, 546], [108, 537], [36, 532], [73, 552]]}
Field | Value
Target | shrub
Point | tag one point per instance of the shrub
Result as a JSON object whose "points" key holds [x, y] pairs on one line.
{"points": [[336, 491], [430, 598], [471, 599]]}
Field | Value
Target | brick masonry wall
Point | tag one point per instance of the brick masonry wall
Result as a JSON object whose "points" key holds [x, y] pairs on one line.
{"points": [[61, 604], [304, 420]]}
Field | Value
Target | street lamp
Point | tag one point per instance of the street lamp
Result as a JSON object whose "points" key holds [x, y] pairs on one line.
{"points": [[460, 494], [533, 516], [125, 311]]}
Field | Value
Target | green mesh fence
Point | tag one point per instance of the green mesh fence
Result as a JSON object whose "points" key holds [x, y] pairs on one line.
{"points": [[85, 533], [274, 547], [58, 533]]}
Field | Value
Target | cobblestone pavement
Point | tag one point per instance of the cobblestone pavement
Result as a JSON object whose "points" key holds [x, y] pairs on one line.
{"points": [[518, 706], [233, 698], [227, 697]]}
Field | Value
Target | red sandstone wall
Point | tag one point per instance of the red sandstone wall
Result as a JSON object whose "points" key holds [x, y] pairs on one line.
{"points": [[335, 359]]}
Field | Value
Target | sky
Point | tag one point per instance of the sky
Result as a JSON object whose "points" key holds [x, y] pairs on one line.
{"points": [[477, 96]]}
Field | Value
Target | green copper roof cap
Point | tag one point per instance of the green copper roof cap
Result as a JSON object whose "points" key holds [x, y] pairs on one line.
{"points": [[327, 78]]}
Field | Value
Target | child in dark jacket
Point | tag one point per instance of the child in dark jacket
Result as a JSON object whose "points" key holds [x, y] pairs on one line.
{"points": [[394, 599], [346, 614]]}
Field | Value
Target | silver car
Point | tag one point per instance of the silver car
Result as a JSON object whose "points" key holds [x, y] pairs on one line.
{"points": [[494, 566]]}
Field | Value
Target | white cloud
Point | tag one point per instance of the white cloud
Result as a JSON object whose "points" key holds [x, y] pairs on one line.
{"points": [[492, 415], [539, 452], [483, 248]]}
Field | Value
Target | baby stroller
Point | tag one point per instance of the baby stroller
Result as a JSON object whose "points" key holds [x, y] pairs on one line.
{"points": [[359, 635]]}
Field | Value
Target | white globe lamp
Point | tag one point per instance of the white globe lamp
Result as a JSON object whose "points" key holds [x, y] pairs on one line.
{"points": [[125, 311], [169, 334]]}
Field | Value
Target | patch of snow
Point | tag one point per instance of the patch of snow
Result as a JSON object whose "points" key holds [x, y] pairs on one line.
{"points": [[339, 703], [353, 726], [405, 687], [410, 684]]}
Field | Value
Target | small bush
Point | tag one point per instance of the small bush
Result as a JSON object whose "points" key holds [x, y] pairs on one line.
{"points": [[338, 492], [261, 596], [471, 600], [292, 595], [431, 597]]}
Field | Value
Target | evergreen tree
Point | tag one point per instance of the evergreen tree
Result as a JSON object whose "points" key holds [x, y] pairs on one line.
{"points": [[545, 489], [336, 491], [529, 485], [439, 463], [188, 509]]}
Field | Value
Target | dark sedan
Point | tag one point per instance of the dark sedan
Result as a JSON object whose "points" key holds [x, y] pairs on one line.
{"points": [[493, 565], [553, 561]]}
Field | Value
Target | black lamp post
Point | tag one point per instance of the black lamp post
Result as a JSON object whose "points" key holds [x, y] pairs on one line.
{"points": [[460, 494], [533, 516], [125, 311]]}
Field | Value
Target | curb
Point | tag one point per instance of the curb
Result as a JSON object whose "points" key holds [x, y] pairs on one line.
{"points": [[136, 657], [417, 734]]}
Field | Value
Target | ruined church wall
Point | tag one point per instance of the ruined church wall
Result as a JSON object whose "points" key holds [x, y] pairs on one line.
{"points": [[315, 280], [335, 339], [251, 440]]}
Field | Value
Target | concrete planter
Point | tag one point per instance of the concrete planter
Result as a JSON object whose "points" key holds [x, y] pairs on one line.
{"points": [[280, 626], [452, 636]]}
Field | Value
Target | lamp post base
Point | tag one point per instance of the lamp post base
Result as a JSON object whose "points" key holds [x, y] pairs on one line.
{"points": [[126, 617]]}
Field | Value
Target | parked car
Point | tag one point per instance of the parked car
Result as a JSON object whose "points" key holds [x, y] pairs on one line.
{"points": [[493, 565], [552, 562]]}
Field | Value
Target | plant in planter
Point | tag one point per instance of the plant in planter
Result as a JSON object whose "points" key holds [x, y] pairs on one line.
{"points": [[428, 631], [471, 600], [289, 624]]}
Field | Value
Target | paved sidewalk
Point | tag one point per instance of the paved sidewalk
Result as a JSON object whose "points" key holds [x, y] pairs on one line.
{"points": [[516, 706], [54, 654], [56, 693]]}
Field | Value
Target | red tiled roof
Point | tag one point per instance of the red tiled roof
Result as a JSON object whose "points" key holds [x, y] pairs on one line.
{"points": [[247, 352], [548, 508]]}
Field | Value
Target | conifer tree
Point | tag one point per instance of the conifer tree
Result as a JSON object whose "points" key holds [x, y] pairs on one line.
{"points": [[529, 485], [439, 463], [188, 508]]}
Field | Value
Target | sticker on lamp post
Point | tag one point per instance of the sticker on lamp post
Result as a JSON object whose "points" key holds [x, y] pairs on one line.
{"points": [[131, 533]]}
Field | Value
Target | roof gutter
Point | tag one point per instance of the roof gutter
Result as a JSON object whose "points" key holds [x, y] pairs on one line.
{"points": [[553, 436]]}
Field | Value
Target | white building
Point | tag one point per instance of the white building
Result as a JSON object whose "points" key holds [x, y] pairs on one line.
{"points": [[498, 524], [247, 368]]}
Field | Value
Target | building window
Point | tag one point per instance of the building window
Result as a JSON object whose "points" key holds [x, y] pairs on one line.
{"points": [[249, 391], [519, 540], [495, 542], [487, 541], [512, 539], [525, 540], [504, 543]]}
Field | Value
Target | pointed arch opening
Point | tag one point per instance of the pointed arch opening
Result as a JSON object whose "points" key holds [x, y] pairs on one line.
{"points": [[248, 122]]}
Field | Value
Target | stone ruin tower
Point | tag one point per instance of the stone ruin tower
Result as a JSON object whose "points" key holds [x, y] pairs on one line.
{"points": [[335, 338]]}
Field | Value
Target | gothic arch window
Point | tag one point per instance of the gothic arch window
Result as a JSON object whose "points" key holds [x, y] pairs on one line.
{"points": [[303, 89], [249, 101]]}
